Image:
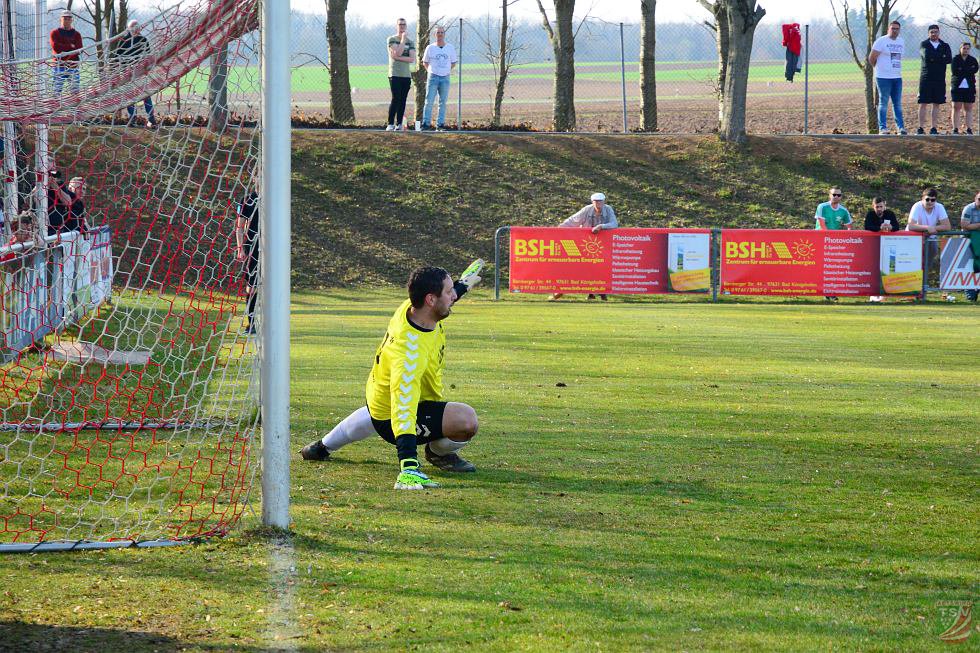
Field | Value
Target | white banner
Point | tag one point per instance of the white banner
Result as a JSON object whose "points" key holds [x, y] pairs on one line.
{"points": [[901, 265], [956, 266], [689, 262]]}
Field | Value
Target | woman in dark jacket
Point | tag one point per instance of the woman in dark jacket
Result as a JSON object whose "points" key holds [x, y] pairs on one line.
{"points": [[963, 88]]}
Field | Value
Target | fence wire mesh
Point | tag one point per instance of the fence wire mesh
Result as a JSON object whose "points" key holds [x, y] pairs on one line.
{"points": [[827, 95]]}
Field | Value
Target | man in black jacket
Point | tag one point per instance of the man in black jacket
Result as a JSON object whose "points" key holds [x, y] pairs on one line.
{"points": [[131, 49], [935, 56]]}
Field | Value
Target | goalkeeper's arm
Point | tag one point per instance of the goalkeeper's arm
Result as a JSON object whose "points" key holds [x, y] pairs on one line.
{"points": [[469, 278]]}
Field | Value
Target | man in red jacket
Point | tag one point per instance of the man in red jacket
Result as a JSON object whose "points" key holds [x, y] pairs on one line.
{"points": [[65, 39]]}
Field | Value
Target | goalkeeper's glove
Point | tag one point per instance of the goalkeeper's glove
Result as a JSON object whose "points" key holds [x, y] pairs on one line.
{"points": [[412, 478], [469, 278], [471, 275]]}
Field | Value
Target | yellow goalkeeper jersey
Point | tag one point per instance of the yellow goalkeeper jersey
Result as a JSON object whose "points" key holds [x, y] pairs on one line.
{"points": [[407, 369]]}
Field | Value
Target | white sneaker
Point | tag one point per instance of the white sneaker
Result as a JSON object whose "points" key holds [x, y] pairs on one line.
{"points": [[390, 128]]}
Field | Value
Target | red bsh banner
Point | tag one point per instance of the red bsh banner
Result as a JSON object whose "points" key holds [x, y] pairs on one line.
{"points": [[797, 262], [618, 261]]}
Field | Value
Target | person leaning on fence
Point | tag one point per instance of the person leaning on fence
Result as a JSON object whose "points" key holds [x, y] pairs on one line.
{"points": [[439, 60], [928, 216], [66, 39], [832, 215], [132, 48], [963, 87], [886, 58], [401, 56], [60, 199], [597, 216], [75, 216], [935, 56], [880, 218], [970, 223]]}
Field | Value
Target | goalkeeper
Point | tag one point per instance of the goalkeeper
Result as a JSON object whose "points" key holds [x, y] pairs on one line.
{"points": [[404, 390]]}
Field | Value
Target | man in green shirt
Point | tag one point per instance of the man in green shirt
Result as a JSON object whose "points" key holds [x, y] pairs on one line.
{"points": [[832, 215]]}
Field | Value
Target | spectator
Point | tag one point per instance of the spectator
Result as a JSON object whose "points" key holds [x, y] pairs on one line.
{"points": [[401, 56], [832, 214], [75, 216], [247, 247], [935, 56], [970, 223], [597, 216], [879, 217], [886, 58], [131, 49], [439, 60], [66, 39], [963, 87], [929, 216], [60, 199], [882, 219], [22, 231]]}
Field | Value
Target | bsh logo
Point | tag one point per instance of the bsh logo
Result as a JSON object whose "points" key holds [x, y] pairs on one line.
{"points": [[748, 250], [589, 247]]}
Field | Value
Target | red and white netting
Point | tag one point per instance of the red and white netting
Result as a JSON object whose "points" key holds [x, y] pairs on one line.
{"points": [[128, 381]]}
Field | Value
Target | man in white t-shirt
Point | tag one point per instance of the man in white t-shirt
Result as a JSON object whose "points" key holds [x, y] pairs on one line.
{"points": [[439, 59], [886, 57], [928, 216]]}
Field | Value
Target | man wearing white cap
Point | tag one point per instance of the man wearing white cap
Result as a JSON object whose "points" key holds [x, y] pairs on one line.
{"points": [[596, 216]]}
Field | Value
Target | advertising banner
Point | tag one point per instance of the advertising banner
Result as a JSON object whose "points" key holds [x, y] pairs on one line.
{"points": [[822, 263], [956, 266], [617, 261], [900, 264]]}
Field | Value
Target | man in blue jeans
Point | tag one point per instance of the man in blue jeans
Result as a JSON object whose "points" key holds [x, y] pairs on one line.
{"points": [[439, 60], [886, 58]]}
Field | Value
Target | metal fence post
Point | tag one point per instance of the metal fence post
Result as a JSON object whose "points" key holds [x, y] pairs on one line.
{"points": [[715, 263], [459, 81], [622, 66], [496, 261], [806, 80]]}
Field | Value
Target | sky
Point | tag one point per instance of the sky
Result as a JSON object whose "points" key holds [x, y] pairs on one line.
{"points": [[385, 11]]}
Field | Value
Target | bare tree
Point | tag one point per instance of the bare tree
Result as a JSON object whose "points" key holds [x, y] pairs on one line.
{"points": [[108, 19], [218, 90], [966, 19], [720, 27], [743, 17], [562, 38], [341, 104], [420, 76], [648, 64], [502, 57], [876, 15]]}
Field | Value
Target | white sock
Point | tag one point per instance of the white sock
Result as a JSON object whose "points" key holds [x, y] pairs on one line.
{"points": [[355, 427], [445, 446]]}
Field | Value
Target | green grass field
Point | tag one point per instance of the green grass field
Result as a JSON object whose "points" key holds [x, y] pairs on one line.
{"points": [[664, 475], [316, 79]]}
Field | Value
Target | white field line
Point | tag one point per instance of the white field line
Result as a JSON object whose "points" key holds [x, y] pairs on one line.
{"points": [[282, 630]]}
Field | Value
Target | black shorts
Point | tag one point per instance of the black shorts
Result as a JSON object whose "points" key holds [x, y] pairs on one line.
{"points": [[967, 95], [252, 264], [428, 423], [932, 91]]}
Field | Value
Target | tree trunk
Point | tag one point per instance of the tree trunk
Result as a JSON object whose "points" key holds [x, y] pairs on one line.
{"points": [[341, 104], [420, 76], [502, 67], [870, 100], [743, 18], [218, 91], [648, 64], [564, 47]]}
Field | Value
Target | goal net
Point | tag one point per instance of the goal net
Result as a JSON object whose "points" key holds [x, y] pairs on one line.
{"points": [[128, 362]]}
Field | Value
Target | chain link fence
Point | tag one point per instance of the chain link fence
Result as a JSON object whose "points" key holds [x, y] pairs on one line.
{"points": [[826, 96]]}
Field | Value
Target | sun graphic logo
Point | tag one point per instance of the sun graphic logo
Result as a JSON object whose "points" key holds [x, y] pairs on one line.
{"points": [[590, 247], [804, 248]]}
